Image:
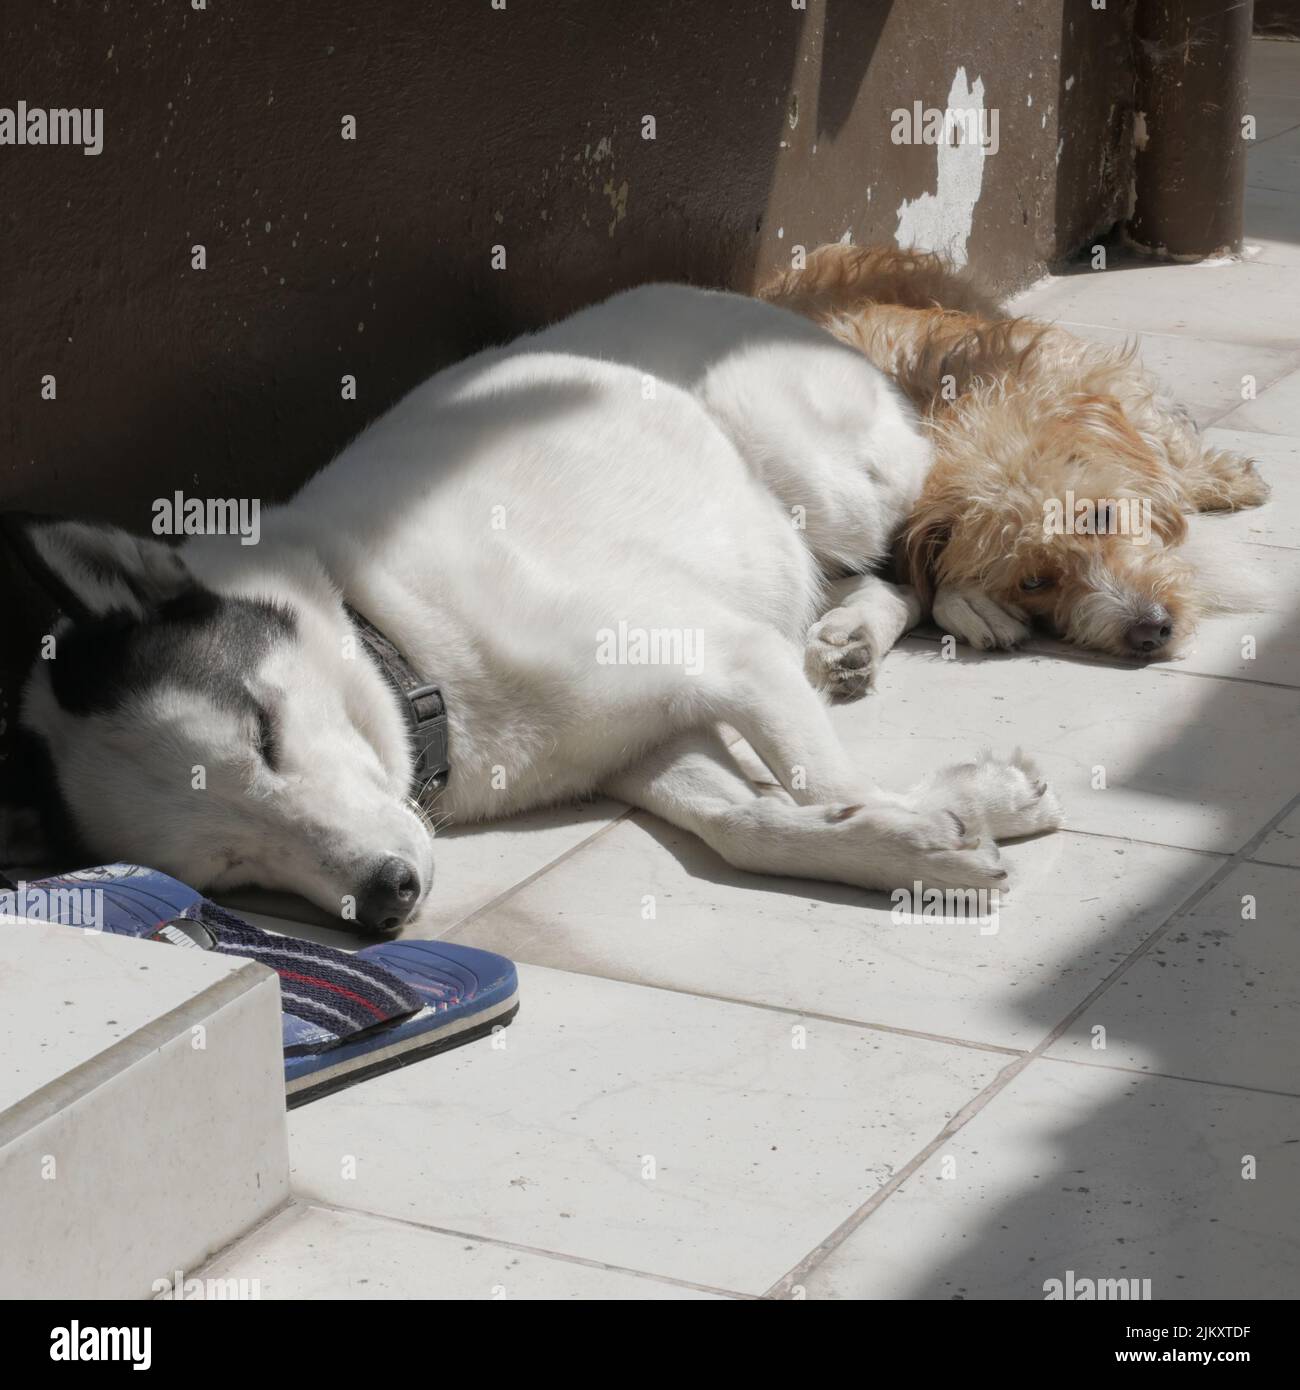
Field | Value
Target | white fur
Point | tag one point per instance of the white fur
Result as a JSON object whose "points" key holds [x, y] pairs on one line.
{"points": [[671, 460]]}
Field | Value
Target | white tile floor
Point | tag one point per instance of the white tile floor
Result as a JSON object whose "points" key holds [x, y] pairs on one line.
{"points": [[771, 1088]]}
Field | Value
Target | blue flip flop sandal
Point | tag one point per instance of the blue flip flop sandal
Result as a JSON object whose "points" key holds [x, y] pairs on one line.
{"points": [[464, 994], [346, 1017]]}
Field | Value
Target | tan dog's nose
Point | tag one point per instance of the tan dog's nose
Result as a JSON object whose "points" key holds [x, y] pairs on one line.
{"points": [[1149, 637]]}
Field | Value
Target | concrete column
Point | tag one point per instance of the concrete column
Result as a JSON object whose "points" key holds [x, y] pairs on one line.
{"points": [[1190, 165]]}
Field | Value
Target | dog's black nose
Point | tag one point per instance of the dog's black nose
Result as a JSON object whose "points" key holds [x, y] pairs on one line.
{"points": [[1149, 637], [388, 896]]}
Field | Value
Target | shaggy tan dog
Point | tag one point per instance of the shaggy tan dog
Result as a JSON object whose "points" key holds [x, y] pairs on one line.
{"points": [[1062, 472]]}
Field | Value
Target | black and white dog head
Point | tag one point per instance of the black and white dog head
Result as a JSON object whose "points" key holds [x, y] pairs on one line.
{"points": [[230, 733]]}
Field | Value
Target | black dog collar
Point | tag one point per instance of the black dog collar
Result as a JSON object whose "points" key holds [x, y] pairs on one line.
{"points": [[422, 705]]}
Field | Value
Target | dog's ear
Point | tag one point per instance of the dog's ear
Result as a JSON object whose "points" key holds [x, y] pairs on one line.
{"points": [[1170, 525], [1101, 421], [919, 549], [92, 570], [1167, 519]]}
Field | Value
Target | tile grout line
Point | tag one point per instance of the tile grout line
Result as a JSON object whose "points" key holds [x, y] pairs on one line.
{"points": [[1152, 844], [1215, 422], [232, 1246], [1277, 135], [1276, 864], [528, 879], [1268, 188], [793, 1011], [1289, 352], [1101, 661], [501, 1244], [1175, 1076], [1268, 344], [1292, 359], [1290, 438], [819, 1254], [1237, 680], [789, 1010]]}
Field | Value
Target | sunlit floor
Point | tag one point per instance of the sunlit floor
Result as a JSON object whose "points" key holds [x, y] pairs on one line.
{"points": [[771, 1087]]}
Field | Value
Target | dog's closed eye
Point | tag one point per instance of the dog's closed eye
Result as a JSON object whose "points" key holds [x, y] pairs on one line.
{"points": [[266, 737]]}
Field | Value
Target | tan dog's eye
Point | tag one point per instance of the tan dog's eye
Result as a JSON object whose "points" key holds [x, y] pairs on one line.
{"points": [[1036, 583]]}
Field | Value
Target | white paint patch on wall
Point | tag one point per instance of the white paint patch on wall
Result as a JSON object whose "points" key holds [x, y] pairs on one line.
{"points": [[941, 221]]}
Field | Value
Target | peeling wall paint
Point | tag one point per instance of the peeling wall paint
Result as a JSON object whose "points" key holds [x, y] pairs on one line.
{"points": [[941, 221]]}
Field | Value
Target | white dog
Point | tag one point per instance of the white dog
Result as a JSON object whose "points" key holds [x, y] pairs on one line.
{"points": [[602, 542]]}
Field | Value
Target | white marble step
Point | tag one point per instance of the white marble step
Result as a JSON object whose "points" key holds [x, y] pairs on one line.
{"points": [[142, 1120]]}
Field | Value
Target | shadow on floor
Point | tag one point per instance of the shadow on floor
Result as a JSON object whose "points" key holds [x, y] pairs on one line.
{"points": [[1058, 1215]]}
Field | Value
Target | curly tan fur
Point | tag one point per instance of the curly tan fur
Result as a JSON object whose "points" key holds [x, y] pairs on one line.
{"points": [[1024, 415]]}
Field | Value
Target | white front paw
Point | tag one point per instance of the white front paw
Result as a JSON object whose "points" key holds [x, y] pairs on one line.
{"points": [[973, 616], [840, 656]]}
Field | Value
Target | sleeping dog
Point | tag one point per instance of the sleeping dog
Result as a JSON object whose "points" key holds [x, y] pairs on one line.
{"points": [[1063, 472], [600, 543]]}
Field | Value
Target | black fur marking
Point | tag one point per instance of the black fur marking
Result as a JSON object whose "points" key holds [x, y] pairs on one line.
{"points": [[198, 640], [30, 781]]}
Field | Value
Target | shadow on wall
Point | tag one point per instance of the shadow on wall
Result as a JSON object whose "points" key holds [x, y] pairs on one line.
{"points": [[371, 256], [325, 257], [853, 32]]}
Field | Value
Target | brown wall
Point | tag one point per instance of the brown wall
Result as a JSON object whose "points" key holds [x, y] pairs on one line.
{"points": [[475, 127], [1278, 18]]}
